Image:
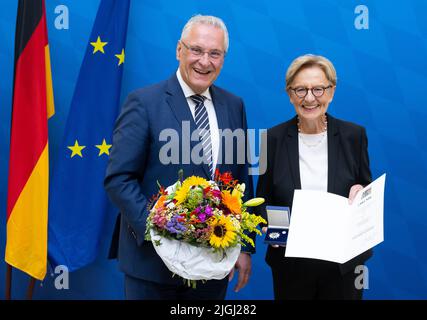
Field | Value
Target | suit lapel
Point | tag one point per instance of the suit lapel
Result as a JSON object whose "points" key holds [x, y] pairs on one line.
{"points": [[220, 109], [179, 107], [221, 112], [333, 148], [293, 152], [178, 103]]}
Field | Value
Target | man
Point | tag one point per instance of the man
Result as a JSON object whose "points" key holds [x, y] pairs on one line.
{"points": [[137, 161]]}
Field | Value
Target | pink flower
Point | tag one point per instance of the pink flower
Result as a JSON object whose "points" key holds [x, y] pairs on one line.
{"points": [[159, 219]]}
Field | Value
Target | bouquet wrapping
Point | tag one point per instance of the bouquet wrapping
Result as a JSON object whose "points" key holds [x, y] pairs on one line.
{"points": [[198, 226]]}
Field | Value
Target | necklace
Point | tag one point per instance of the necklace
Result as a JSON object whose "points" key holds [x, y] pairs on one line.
{"points": [[322, 135], [313, 145], [324, 120]]}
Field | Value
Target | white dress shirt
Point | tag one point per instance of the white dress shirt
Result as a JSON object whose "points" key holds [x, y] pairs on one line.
{"points": [[213, 122]]}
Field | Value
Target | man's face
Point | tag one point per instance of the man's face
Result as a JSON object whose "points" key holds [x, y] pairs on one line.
{"points": [[200, 70]]}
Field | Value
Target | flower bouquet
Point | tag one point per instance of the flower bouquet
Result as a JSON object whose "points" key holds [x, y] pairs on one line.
{"points": [[198, 226]]}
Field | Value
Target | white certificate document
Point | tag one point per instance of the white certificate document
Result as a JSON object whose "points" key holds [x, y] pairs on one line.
{"points": [[324, 226]]}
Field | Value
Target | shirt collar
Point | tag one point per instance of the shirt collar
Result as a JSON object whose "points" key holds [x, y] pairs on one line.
{"points": [[188, 92]]}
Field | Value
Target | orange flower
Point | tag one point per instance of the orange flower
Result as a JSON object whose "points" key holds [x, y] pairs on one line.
{"points": [[160, 202], [231, 202]]}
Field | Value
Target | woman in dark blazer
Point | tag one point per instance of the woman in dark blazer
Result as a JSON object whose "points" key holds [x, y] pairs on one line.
{"points": [[314, 151]]}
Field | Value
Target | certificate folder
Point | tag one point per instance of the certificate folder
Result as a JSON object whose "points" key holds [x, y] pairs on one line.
{"points": [[278, 225], [326, 227]]}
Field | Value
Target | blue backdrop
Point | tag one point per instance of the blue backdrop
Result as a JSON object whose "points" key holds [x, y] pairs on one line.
{"points": [[382, 81]]}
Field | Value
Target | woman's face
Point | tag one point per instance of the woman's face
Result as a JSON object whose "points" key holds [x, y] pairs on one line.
{"points": [[311, 104]]}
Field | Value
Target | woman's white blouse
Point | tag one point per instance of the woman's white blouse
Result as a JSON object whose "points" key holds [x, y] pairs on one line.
{"points": [[313, 161]]}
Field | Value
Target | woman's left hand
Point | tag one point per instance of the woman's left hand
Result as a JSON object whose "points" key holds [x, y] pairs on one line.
{"points": [[353, 192]]}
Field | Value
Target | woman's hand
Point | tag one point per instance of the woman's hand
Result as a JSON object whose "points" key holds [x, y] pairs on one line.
{"points": [[264, 230], [353, 192]]}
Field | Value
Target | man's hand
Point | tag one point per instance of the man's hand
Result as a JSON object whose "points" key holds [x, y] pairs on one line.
{"points": [[244, 267], [353, 192]]}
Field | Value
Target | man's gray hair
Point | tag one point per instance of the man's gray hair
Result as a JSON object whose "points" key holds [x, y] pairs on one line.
{"points": [[210, 20]]}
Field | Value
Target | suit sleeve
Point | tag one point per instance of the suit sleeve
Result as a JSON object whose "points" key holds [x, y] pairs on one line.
{"points": [[126, 165], [245, 177], [265, 179]]}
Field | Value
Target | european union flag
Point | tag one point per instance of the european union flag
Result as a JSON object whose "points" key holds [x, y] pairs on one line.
{"points": [[78, 203]]}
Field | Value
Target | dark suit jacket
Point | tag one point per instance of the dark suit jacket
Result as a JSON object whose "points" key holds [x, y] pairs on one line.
{"points": [[348, 164], [134, 166]]}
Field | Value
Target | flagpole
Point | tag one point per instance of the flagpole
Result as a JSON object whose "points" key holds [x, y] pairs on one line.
{"points": [[8, 281], [30, 289]]}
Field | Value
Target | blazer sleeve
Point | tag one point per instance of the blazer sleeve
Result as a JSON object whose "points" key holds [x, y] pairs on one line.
{"points": [[364, 179], [365, 176], [126, 165]]}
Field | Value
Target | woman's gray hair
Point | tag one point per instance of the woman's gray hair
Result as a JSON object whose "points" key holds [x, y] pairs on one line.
{"points": [[210, 20], [310, 60]]}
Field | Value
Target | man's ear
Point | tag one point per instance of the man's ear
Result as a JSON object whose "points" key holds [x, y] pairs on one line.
{"points": [[178, 50]]}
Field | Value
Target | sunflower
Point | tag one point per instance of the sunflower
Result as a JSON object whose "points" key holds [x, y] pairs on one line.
{"points": [[182, 193], [223, 231], [232, 201]]}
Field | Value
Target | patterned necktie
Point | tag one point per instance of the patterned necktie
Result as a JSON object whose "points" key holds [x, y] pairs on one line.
{"points": [[202, 123]]}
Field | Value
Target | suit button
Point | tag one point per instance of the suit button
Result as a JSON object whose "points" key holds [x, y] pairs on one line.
{"points": [[131, 231]]}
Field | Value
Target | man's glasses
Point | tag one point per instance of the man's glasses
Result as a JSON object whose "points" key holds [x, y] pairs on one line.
{"points": [[199, 52], [301, 92]]}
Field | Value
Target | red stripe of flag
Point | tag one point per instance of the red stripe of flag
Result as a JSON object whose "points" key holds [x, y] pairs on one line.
{"points": [[29, 115]]}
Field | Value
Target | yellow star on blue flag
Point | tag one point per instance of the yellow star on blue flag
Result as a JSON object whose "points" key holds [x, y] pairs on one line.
{"points": [[104, 148], [121, 57], [76, 149], [98, 45]]}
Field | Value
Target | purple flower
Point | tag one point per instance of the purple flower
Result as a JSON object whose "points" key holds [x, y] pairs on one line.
{"points": [[176, 226], [203, 213], [202, 217], [208, 211]]}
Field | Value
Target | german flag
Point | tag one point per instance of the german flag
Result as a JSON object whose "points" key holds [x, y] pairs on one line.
{"points": [[28, 183]]}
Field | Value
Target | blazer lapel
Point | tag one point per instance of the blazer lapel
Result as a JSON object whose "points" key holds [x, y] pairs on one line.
{"points": [[293, 152], [333, 148]]}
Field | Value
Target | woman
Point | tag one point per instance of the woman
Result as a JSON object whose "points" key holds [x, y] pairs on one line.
{"points": [[314, 151]]}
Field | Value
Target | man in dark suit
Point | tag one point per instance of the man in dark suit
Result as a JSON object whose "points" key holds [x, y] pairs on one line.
{"points": [[151, 143]]}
